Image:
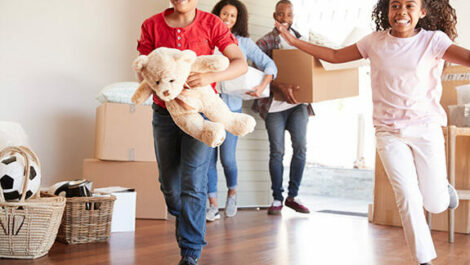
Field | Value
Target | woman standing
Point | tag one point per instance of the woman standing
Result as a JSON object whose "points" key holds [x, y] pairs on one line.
{"points": [[235, 15]]}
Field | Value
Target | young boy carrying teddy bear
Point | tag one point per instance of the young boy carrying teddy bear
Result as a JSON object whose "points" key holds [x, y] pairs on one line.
{"points": [[182, 160]]}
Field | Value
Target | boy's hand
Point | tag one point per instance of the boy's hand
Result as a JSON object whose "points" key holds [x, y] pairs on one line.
{"points": [[199, 79], [285, 34], [287, 91]]}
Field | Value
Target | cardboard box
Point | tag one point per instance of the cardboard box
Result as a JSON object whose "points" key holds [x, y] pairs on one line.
{"points": [[142, 176], [385, 210], [459, 115], [316, 83], [124, 132], [124, 208], [453, 77], [463, 94]]}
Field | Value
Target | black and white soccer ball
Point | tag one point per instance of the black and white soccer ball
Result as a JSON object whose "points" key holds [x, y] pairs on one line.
{"points": [[12, 169]]}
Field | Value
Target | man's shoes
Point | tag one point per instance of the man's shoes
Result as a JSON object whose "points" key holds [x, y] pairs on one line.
{"points": [[212, 213], [231, 206], [188, 261], [296, 205], [275, 208], [453, 197]]}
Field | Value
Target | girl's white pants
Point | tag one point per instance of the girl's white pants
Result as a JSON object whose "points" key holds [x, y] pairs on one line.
{"points": [[414, 160]]}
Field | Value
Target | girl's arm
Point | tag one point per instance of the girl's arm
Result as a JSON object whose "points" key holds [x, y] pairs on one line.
{"points": [[458, 55], [237, 67], [347, 54]]}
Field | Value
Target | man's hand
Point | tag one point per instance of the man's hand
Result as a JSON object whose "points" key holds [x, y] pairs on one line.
{"points": [[199, 79], [284, 32], [287, 91]]}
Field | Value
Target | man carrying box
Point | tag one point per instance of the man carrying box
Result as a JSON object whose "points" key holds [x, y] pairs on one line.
{"points": [[284, 115]]}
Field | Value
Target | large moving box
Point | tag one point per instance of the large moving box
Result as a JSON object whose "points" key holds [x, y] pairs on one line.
{"points": [[142, 176], [316, 83], [452, 77], [123, 132], [385, 210]]}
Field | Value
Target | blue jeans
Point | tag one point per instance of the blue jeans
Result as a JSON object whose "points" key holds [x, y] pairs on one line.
{"points": [[295, 121], [229, 163], [183, 162]]}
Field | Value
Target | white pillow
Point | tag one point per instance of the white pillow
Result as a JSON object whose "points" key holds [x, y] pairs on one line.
{"points": [[120, 93], [12, 134]]}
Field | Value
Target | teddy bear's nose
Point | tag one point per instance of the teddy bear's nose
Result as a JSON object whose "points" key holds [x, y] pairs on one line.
{"points": [[166, 93]]}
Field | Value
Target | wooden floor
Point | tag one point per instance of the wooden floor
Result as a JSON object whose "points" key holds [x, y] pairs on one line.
{"points": [[253, 237]]}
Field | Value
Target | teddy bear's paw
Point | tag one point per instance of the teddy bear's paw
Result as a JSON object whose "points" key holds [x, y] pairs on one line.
{"points": [[137, 98], [213, 134], [243, 124]]}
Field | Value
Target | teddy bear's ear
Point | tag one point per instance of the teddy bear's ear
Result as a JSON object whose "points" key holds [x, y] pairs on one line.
{"points": [[140, 63], [187, 56]]}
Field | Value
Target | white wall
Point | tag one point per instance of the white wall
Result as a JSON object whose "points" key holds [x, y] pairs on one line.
{"points": [[462, 8], [55, 56], [260, 15]]}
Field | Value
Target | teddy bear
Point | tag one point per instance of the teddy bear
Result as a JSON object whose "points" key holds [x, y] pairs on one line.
{"points": [[165, 71]]}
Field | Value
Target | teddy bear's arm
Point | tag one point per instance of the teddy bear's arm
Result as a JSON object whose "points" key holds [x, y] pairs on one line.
{"points": [[210, 63], [142, 93]]}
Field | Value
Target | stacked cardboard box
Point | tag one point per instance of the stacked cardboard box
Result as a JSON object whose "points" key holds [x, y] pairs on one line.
{"points": [[124, 156]]}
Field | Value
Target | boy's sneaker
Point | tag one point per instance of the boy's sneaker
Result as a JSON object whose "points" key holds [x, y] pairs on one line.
{"points": [[297, 205], [275, 208], [212, 214], [231, 206], [453, 197], [188, 261]]}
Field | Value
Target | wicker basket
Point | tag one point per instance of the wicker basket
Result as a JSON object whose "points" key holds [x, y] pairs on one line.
{"points": [[87, 219], [28, 228]]}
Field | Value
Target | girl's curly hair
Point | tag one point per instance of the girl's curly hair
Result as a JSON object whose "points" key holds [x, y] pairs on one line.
{"points": [[440, 15], [241, 25]]}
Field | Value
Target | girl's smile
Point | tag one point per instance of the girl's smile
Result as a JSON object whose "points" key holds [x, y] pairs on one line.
{"points": [[403, 16]]}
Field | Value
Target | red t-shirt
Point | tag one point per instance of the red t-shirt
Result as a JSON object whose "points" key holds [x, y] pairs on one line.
{"points": [[201, 36]]}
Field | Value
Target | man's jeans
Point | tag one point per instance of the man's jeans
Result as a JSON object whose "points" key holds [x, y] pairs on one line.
{"points": [[183, 162], [228, 159], [295, 121]]}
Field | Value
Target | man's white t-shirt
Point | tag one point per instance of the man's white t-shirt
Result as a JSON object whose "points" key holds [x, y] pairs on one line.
{"points": [[277, 106]]}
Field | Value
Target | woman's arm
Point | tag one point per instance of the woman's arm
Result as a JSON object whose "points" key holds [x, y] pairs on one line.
{"points": [[258, 57], [347, 54], [458, 55], [236, 68], [263, 62], [258, 90]]}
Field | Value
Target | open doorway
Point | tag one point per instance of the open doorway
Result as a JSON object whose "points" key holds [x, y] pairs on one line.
{"points": [[339, 175]]}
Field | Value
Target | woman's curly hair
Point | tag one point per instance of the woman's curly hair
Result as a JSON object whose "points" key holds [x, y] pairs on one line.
{"points": [[440, 15], [241, 25]]}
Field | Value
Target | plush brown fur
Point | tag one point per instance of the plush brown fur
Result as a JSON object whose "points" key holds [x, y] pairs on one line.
{"points": [[165, 72]]}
